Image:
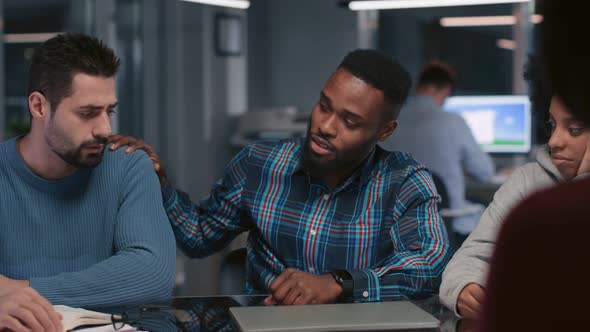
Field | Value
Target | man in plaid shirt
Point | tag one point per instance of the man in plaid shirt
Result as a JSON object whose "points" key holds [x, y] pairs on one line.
{"points": [[332, 216]]}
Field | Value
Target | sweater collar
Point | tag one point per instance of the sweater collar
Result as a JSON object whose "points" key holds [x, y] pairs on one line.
{"points": [[68, 185]]}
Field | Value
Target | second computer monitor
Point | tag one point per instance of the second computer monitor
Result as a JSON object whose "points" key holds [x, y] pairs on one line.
{"points": [[500, 124]]}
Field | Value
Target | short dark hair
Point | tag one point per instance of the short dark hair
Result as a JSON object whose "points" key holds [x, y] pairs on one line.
{"points": [[57, 60], [382, 72], [540, 94], [439, 74]]}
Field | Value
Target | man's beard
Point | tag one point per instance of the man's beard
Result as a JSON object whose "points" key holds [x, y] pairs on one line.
{"points": [[77, 159], [311, 163], [315, 165], [62, 146], [342, 161]]}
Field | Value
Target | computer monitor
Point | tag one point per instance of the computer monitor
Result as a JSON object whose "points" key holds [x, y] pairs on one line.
{"points": [[500, 124]]}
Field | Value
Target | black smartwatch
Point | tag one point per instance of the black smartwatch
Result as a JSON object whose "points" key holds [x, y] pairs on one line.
{"points": [[344, 279]]}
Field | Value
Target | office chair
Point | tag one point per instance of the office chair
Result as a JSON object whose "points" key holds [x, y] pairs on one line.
{"points": [[448, 214], [444, 205], [232, 273]]}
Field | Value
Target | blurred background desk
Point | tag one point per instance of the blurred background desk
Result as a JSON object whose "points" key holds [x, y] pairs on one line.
{"points": [[483, 192]]}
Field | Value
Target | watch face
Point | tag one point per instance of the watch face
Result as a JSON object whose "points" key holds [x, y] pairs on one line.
{"points": [[342, 275], [337, 278]]}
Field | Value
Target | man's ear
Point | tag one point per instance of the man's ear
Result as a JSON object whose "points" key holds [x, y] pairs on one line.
{"points": [[387, 130], [38, 105]]}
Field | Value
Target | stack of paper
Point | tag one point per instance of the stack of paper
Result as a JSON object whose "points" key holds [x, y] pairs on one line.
{"points": [[75, 317]]}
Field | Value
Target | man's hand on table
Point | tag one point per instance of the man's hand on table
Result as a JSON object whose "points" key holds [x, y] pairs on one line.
{"points": [[23, 309], [295, 287]]}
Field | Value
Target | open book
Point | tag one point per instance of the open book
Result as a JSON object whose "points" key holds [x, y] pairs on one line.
{"points": [[76, 317]]}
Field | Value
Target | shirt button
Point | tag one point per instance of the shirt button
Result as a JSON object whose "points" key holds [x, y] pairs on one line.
{"points": [[326, 196], [365, 294], [313, 232]]}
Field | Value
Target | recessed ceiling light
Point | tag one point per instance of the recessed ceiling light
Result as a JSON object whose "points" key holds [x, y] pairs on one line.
{"points": [[471, 21], [240, 4], [399, 4], [506, 44]]}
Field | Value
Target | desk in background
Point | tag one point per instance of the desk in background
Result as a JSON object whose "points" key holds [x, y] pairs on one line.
{"points": [[481, 193]]}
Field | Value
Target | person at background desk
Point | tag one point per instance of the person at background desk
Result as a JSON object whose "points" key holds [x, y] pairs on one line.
{"points": [[463, 286], [331, 216], [80, 227], [443, 142]]}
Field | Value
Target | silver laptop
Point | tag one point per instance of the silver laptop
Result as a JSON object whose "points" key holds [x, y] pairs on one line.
{"points": [[374, 316]]}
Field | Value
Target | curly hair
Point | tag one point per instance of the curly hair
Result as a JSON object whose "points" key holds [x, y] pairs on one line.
{"points": [[540, 94], [565, 57]]}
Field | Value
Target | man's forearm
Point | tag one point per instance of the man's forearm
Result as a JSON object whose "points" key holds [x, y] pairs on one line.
{"points": [[133, 277]]}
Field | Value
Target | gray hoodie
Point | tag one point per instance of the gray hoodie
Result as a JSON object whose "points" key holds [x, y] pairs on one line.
{"points": [[471, 262]]}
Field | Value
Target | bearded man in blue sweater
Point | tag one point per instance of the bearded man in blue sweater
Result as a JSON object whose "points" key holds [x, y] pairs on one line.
{"points": [[79, 226]]}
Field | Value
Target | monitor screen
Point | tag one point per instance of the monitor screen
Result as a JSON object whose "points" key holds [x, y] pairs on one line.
{"points": [[500, 124]]}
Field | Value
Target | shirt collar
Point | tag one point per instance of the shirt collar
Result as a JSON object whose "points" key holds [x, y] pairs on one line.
{"points": [[299, 169], [362, 174], [367, 166]]}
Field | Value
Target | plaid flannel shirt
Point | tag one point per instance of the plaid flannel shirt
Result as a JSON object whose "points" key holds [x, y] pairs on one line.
{"points": [[381, 224]]}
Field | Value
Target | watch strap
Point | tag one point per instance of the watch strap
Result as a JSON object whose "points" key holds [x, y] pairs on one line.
{"points": [[344, 279]]}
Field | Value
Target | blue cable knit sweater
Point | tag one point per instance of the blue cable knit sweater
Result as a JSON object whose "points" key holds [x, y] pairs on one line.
{"points": [[99, 237]]}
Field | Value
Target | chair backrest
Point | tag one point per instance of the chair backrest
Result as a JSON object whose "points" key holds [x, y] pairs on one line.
{"points": [[442, 191], [444, 204], [232, 273]]}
